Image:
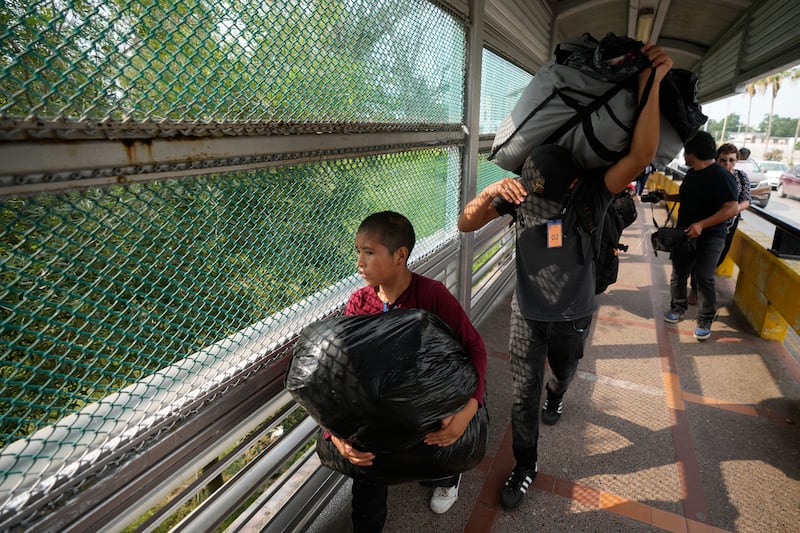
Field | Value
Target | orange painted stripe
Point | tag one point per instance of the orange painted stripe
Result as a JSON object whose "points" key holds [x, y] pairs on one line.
{"points": [[488, 502], [503, 356], [619, 505], [695, 504], [742, 409], [487, 505], [672, 389], [643, 324]]}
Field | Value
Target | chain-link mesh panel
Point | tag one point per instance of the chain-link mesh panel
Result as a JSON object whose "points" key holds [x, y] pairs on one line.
{"points": [[230, 61], [103, 287], [502, 84], [489, 173]]}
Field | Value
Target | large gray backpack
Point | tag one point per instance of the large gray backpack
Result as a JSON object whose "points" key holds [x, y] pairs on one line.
{"points": [[584, 99]]}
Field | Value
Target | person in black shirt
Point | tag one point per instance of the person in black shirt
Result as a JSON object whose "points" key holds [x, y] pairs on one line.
{"points": [[708, 198]]}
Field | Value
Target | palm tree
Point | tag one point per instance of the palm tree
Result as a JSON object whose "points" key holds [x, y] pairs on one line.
{"points": [[750, 89], [774, 83], [794, 74]]}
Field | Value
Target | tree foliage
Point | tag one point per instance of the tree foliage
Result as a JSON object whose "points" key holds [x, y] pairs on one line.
{"points": [[781, 126], [731, 125], [105, 286], [232, 60]]}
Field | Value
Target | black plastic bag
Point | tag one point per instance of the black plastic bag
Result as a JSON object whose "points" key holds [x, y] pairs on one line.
{"points": [[382, 382], [419, 463], [614, 58], [679, 103]]}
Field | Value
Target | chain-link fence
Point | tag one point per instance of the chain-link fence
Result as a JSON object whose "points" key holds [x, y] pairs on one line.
{"points": [[120, 304], [501, 86], [227, 66]]}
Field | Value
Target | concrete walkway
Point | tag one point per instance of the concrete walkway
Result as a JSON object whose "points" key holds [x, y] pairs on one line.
{"points": [[660, 432]]}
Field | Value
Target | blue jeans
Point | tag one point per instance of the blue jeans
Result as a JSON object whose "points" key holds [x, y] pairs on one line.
{"points": [[530, 343], [702, 258], [640, 183]]}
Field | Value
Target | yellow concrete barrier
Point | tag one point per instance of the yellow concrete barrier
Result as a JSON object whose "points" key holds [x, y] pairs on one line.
{"points": [[659, 180], [767, 287]]}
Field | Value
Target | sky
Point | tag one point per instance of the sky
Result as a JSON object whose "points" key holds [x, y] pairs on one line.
{"points": [[787, 104]]}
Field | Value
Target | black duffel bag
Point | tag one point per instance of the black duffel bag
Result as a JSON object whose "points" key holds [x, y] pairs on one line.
{"points": [[666, 239], [382, 382]]}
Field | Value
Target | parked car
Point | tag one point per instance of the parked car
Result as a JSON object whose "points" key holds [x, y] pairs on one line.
{"points": [[789, 183], [677, 167], [760, 190], [773, 171]]}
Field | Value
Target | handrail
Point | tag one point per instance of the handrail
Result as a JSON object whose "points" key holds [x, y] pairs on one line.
{"points": [[786, 239], [780, 222]]}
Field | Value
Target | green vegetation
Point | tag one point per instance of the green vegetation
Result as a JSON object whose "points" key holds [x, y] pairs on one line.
{"points": [[105, 286], [206, 61], [781, 126]]}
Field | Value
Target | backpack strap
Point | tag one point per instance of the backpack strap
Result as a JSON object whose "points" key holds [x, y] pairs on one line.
{"points": [[581, 111], [583, 115], [523, 122], [585, 218]]}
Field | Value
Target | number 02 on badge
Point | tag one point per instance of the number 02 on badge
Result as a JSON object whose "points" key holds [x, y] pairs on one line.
{"points": [[554, 233]]}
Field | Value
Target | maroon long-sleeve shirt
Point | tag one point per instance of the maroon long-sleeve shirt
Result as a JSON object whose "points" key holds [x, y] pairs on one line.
{"points": [[430, 295]]}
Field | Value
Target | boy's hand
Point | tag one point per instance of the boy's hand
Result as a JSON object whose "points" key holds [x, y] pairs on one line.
{"points": [[659, 60], [453, 426], [357, 457], [510, 189]]}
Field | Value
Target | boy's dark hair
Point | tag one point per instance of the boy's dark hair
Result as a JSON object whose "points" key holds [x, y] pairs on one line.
{"points": [[701, 145], [392, 230], [744, 153]]}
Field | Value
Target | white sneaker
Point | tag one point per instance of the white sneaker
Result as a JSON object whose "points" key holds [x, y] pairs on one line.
{"points": [[444, 497]]}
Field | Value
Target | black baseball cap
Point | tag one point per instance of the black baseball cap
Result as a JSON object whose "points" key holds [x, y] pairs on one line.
{"points": [[548, 172]]}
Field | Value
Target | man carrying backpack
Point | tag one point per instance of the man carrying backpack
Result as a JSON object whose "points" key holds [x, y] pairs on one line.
{"points": [[557, 208]]}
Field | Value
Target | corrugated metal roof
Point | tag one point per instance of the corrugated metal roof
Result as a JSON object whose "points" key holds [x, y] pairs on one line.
{"points": [[727, 42]]}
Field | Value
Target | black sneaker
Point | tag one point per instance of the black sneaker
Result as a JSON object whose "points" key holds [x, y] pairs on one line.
{"points": [[517, 485], [551, 410]]}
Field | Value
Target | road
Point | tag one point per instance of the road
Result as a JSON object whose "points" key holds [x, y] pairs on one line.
{"points": [[786, 208]]}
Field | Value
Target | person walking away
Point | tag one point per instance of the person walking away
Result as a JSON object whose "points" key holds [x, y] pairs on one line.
{"points": [[727, 155], [554, 299], [384, 242]]}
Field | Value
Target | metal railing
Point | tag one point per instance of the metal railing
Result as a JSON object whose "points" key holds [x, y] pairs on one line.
{"points": [[786, 238]]}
